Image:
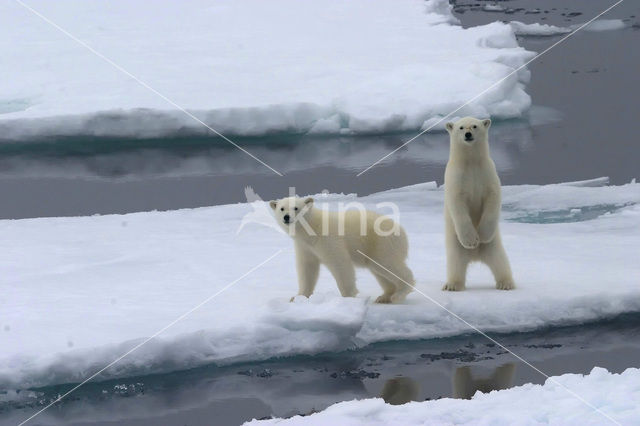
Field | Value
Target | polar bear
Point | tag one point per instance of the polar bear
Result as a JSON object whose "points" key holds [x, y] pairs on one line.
{"points": [[342, 241], [472, 206]]}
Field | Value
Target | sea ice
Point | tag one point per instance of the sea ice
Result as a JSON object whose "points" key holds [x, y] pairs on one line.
{"points": [[249, 68], [77, 292]]}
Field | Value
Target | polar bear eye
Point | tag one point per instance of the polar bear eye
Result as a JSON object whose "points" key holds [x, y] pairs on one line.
{"points": [[281, 209], [296, 209], [475, 126], [461, 127]]}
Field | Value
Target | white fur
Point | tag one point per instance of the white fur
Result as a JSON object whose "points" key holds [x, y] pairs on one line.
{"points": [[472, 206], [335, 239]]}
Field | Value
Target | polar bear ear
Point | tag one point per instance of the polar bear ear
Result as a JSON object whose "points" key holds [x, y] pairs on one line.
{"points": [[273, 204], [486, 123], [308, 200], [449, 126]]}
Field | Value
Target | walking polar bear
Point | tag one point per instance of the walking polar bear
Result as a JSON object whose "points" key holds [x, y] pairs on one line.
{"points": [[472, 206], [343, 240]]}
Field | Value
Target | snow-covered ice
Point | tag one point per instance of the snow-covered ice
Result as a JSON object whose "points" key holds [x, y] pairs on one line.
{"points": [[75, 293], [614, 395], [249, 67], [606, 25], [493, 8], [537, 29], [542, 30]]}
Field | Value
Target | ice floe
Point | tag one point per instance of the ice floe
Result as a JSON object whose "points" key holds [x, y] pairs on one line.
{"points": [[77, 292]]}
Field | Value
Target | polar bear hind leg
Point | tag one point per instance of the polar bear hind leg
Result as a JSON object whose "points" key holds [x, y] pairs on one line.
{"points": [[396, 281], [404, 282], [387, 285], [458, 259], [494, 256]]}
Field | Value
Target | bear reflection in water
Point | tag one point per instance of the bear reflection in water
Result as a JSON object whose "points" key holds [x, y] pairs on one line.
{"points": [[465, 385], [400, 390]]}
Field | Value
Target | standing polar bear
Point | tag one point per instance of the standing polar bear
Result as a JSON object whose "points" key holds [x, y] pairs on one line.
{"points": [[343, 240], [472, 206]]}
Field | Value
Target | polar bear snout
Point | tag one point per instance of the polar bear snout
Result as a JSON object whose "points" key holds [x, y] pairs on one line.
{"points": [[468, 130], [286, 218]]}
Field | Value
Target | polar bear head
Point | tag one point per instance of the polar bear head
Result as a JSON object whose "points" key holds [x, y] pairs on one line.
{"points": [[289, 210], [468, 131]]}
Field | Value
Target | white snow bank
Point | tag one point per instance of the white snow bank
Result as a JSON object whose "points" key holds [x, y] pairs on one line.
{"points": [[537, 29], [614, 395], [76, 293], [249, 67], [605, 25], [493, 8], [541, 30]]}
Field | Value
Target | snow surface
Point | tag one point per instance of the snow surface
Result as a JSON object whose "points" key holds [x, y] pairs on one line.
{"points": [[249, 67], [537, 29], [615, 395], [541, 30], [76, 293], [493, 8]]}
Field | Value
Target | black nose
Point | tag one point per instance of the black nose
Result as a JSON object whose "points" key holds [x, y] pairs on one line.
{"points": [[286, 218], [468, 135]]}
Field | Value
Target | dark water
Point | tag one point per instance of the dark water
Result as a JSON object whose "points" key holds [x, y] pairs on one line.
{"points": [[583, 126], [397, 371]]}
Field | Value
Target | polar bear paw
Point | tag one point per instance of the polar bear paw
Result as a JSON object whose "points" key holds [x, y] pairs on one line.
{"points": [[453, 287], [398, 297], [469, 238], [384, 298], [297, 295], [505, 285], [486, 235]]}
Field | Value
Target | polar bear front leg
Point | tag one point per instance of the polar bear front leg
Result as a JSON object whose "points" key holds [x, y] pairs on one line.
{"points": [[490, 216], [457, 263], [342, 269], [458, 213], [308, 268], [458, 259], [495, 257]]}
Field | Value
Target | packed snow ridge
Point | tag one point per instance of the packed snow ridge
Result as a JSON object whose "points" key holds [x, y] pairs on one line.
{"points": [[94, 287], [602, 398], [247, 68], [543, 30]]}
